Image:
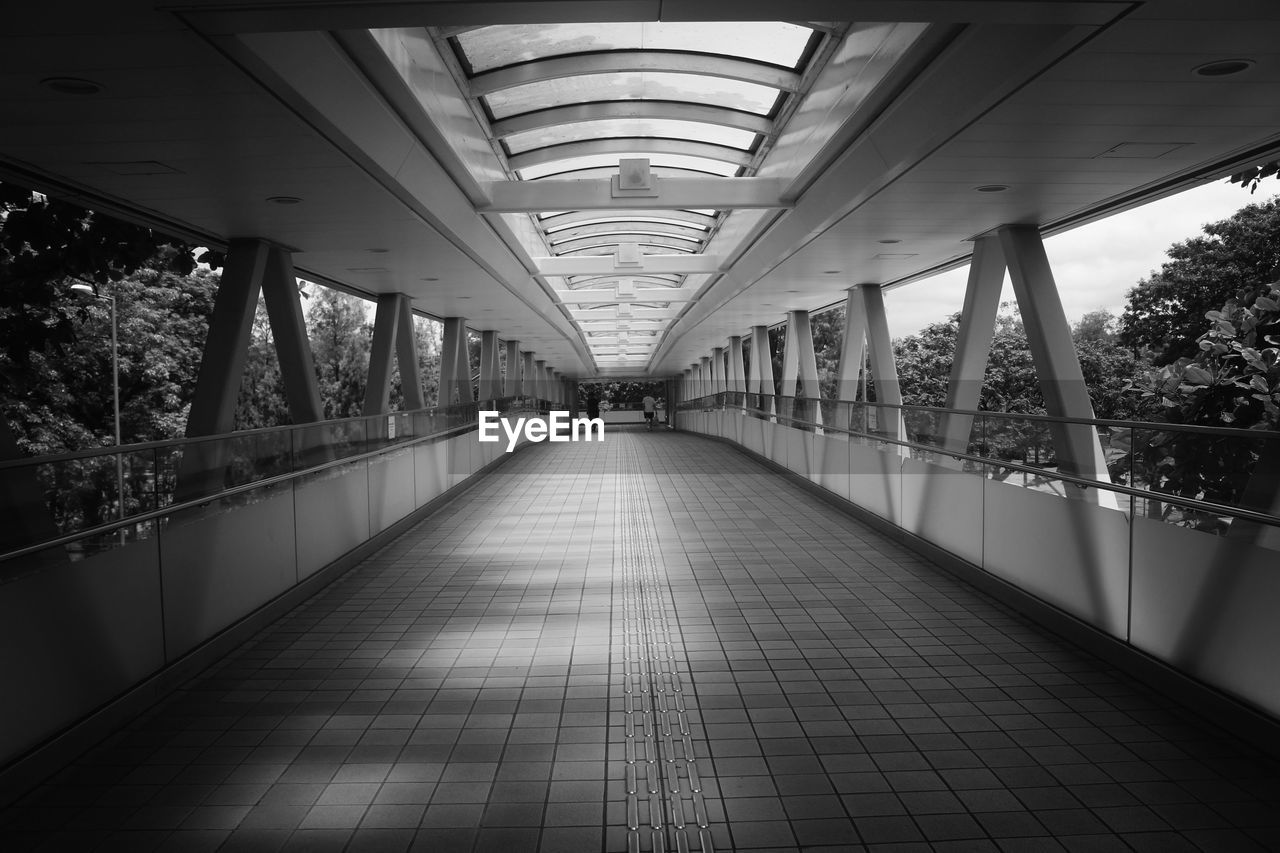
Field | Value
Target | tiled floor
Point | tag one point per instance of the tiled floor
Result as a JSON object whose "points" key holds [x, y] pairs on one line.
{"points": [[482, 684]]}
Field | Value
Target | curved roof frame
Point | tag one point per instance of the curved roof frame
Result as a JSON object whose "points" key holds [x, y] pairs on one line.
{"points": [[600, 282], [659, 245], [570, 122], [601, 110], [677, 62], [633, 226], [553, 222], [629, 145]]}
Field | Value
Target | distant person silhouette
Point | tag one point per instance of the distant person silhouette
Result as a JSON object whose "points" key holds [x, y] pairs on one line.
{"points": [[650, 407]]}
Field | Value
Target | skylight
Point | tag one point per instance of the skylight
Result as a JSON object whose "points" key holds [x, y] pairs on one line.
{"points": [[567, 102], [763, 41]]}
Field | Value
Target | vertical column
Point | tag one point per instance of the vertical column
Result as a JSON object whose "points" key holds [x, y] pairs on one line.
{"points": [[761, 379], [407, 359], [1076, 446], [883, 367], [539, 379], [527, 374], [852, 346], [704, 371], [455, 366], [548, 383], [853, 353], [718, 385], [695, 380], [490, 379], [386, 328], [511, 384], [226, 348], [737, 375], [798, 359], [289, 332], [973, 340]]}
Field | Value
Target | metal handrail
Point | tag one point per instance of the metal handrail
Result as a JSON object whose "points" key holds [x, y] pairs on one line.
{"points": [[141, 446], [1189, 503], [229, 491], [1155, 426]]}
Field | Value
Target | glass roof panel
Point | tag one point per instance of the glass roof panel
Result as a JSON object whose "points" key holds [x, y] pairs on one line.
{"points": [[608, 220], [633, 86], [592, 161], [764, 41], [601, 235], [607, 172], [696, 131], [645, 249]]}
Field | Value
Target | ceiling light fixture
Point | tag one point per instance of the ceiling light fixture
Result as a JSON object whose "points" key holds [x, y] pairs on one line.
{"points": [[831, 272], [284, 199], [72, 85], [888, 242], [1223, 68], [991, 188]]}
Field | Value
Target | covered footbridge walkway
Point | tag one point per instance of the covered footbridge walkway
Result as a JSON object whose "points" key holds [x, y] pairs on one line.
{"points": [[657, 635]]}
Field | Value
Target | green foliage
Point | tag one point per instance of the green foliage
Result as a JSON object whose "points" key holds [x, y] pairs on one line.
{"points": [[262, 401], [44, 242], [620, 394], [1233, 380], [341, 337], [1165, 312], [59, 398]]}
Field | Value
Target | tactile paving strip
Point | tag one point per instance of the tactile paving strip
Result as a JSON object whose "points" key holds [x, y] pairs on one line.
{"points": [[665, 808]]}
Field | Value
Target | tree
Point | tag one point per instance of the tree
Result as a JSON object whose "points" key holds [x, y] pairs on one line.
{"points": [[262, 401], [1165, 312], [341, 338], [1233, 380], [44, 242], [60, 398]]}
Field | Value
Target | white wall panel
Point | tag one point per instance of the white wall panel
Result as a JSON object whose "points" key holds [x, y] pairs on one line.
{"points": [[874, 480], [74, 636], [430, 466], [391, 488], [1068, 552], [222, 562], [1208, 606], [944, 506], [333, 515]]}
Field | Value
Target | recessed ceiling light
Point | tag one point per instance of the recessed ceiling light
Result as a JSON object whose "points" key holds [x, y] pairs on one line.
{"points": [[72, 85], [463, 297], [793, 291], [377, 251], [430, 278], [284, 199], [1223, 67], [887, 242], [991, 188], [831, 272]]}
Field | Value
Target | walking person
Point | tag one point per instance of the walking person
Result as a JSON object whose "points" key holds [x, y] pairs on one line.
{"points": [[650, 408]]}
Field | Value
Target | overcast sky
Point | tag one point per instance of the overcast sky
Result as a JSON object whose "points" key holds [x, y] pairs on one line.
{"points": [[1094, 265]]}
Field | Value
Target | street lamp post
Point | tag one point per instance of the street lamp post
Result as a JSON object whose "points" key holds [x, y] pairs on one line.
{"points": [[90, 290]]}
